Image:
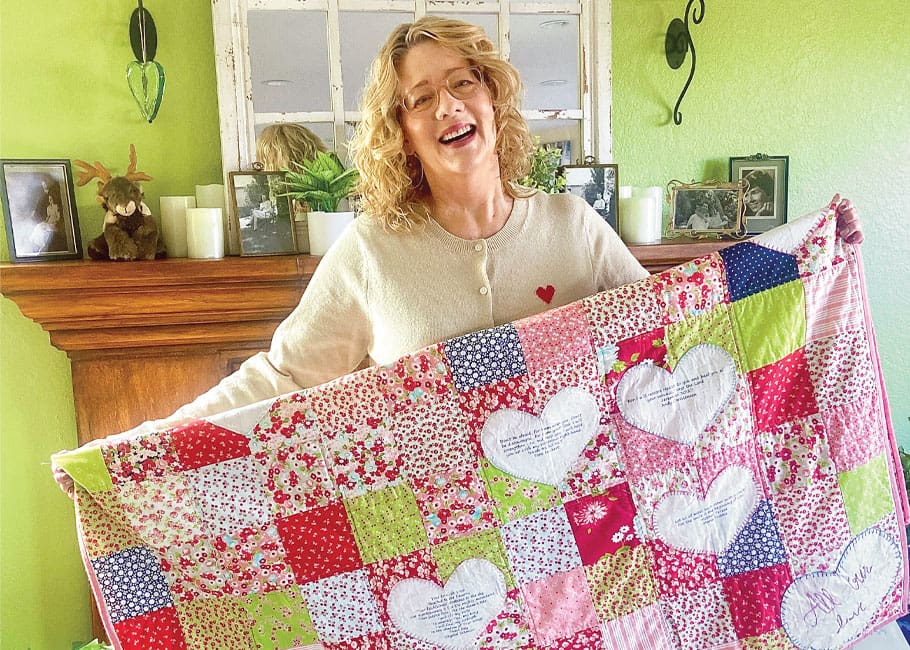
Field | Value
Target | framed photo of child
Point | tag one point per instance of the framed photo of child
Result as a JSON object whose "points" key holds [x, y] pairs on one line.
{"points": [[707, 208], [39, 207]]}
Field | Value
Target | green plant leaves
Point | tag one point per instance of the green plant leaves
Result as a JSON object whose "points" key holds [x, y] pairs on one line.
{"points": [[322, 182]]}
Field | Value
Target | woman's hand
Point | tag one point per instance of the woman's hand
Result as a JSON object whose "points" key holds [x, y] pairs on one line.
{"points": [[64, 480], [849, 226]]}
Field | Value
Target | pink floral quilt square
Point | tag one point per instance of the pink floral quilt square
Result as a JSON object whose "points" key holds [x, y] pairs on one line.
{"points": [[434, 437], [813, 525], [149, 456], [342, 607], [453, 504], [296, 477], [193, 569], [414, 379], [540, 545], [354, 399], [644, 454], [701, 618], [363, 458], [559, 606], [230, 495], [319, 543], [854, 433], [256, 559], [603, 523], [693, 288], [782, 391], [625, 312], [509, 630], [796, 453], [581, 640], [597, 468], [580, 373], [841, 369], [755, 599], [555, 337], [161, 510]]}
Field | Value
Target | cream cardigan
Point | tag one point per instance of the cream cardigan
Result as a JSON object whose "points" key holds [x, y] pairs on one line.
{"points": [[388, 294]]}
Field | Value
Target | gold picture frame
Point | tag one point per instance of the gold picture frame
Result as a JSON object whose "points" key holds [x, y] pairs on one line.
{"points": [[706, 209]]}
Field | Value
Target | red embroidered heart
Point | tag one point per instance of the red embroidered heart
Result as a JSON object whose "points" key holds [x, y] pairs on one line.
{"points": [[546, 293]]}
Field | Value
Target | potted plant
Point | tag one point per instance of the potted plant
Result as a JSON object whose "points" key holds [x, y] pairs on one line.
{"points": [[544, 173], [322, 183]]}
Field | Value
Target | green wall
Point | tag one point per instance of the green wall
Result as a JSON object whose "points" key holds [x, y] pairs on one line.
{"points": [[818, 80], [63, 94], [826, 82]]}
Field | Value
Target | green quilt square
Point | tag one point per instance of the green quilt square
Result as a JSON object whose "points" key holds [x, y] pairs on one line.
{"points": [[387, 523], [86, 466], [215, 623], [515, 497], [281, 620], [487, 545], [715, 327], [621, 582], [770, 324], [867, 494]]}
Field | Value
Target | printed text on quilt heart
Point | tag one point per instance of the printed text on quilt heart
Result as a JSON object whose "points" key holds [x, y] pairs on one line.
{"points": [[450, 616], [708, 525], [825, 610], [678, 405], [541, 449]]}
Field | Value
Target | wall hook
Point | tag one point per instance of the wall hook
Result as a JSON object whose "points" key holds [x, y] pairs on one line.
{"points": [[677, 43]]}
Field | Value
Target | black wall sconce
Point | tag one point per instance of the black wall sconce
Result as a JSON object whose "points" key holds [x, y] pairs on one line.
{"points": [[677, 43]]}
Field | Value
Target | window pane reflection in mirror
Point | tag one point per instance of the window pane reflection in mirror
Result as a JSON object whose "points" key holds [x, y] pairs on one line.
{"points": [[362, 34], [289, 61], [566, 134], [545, 49]]}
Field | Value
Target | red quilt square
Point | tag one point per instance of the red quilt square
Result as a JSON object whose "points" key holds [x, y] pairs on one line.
{"points": [[480, 402], [159, 629], [677, 572], [603, 523], [319, 543], [583, 640], [372, 641], [754, 599], [782, 391], [202, 443], [650, 346]]}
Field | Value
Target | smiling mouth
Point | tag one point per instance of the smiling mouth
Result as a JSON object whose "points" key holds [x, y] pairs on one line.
{"points": [[457, 135]]}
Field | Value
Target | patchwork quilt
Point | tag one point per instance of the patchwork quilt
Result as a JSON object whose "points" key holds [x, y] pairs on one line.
{"points": [[702, 459]]}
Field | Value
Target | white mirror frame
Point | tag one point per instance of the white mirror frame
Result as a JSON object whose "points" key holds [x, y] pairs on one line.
{"points": [[235, 92]]}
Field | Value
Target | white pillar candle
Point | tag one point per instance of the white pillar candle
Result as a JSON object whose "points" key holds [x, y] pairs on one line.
{"points": [[625, 191], [173, 223], [204, 233], [639, 222], [656, 193]]}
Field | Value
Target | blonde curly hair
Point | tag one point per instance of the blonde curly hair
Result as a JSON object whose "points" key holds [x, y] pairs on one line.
{"points": [[280, 144], [392, 185]]}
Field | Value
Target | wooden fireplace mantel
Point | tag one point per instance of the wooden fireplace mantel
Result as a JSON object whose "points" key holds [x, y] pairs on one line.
{"points": [[146, 337]]}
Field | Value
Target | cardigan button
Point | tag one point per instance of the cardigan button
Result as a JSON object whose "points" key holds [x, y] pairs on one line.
{"points": [[478, 247], [483, 291]]}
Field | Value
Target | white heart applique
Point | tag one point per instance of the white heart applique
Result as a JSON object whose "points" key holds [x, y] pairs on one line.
{"points": [[708, 525], [541, 449], [452, 616], [678, 405], [825, 610]]}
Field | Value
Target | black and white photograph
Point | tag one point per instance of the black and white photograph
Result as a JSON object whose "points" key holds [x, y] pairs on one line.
{"points": [[264, 217], [764, 180], [703, 208], [40, 210], [598, 185]]}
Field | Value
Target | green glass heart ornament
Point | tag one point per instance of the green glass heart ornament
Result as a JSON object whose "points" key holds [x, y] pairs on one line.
{"points": [[146, 81]]}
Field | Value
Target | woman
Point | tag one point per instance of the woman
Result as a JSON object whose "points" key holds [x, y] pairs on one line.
{"points": [[448, 243]]}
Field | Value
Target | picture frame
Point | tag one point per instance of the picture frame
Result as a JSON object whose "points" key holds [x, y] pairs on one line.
{"points": [[598, 185], [710, 208], [764, 181], [264, 218], [39, 208]]}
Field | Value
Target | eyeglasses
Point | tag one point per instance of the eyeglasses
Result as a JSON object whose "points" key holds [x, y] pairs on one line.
{"points": [[462, 83]]}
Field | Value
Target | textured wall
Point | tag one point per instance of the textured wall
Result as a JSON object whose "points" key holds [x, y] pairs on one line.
{"points": [[64, 95], [826, 82]]}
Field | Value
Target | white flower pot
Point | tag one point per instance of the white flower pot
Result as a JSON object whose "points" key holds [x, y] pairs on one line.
{"points": [[325, 227]]}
